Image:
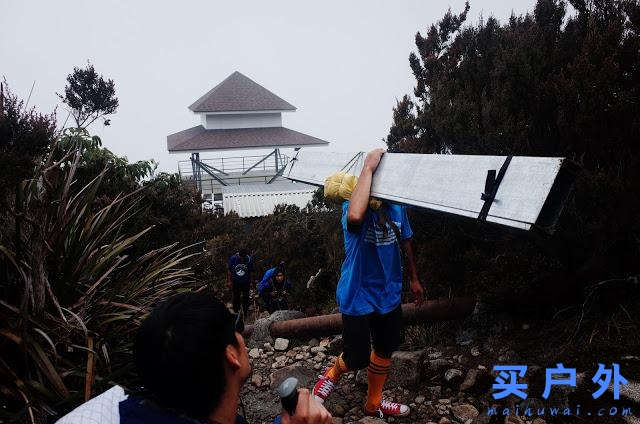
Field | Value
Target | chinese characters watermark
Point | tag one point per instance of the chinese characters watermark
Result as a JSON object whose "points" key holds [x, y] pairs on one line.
{"points": [[507, 380]]}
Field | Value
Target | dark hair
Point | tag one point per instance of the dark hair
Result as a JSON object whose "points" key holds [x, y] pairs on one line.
{"points": [[279, 270], [243, 252], [179, 353]]}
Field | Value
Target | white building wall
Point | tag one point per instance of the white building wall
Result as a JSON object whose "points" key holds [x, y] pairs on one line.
{"points": [[248, 120]]}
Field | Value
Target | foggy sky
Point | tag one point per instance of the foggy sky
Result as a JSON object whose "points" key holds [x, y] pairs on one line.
{"points": [[343, 64]]}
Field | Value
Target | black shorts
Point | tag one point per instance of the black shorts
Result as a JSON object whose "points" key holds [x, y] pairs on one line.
{"points": [[384, 331]]}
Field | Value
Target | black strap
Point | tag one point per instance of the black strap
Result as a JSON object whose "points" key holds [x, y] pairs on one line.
{"points": [[491, 188], [396, 231], [293, 162]]}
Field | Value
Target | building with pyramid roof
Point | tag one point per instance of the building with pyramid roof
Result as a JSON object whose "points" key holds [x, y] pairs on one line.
{"points": [[240, 115]]}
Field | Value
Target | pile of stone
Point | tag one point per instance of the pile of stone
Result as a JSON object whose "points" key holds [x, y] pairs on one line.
{"points": [[440, 386], [448, 384]]}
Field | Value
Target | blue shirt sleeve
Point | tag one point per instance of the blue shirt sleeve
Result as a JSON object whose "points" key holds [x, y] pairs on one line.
{"points": [[268, 274], [354, 228], [407, 232], [264, 285]]}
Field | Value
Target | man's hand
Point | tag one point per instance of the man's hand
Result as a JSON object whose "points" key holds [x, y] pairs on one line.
{"points": [[418, 292], [373, 159], [308, 411]]}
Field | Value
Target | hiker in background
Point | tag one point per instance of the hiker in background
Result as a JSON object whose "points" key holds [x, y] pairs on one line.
{"points": [[369, 292], [275, 289], [240, 278], [269, 273]]}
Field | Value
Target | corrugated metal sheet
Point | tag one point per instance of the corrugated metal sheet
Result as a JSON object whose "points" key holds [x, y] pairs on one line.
{"points": [[453, 183], [252, 200]]}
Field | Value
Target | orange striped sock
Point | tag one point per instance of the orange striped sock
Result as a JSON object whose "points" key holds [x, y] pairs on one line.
{"points": [[377, 375], [338, 369]]}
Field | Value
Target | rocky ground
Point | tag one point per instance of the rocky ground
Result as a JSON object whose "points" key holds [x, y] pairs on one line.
{"points": [[448, 382]]}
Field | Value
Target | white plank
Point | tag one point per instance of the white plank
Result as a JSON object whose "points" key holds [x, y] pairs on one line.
{"points": [[446, 183]]}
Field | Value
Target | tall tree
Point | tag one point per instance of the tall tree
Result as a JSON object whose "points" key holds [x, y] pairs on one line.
{"points": [[546, 84], [89, 96]]}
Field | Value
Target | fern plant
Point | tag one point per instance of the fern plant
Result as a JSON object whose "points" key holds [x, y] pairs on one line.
{"points": [[70, 294]]}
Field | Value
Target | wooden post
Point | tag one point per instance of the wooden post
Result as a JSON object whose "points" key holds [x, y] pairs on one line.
{"points": [[88, 384]]}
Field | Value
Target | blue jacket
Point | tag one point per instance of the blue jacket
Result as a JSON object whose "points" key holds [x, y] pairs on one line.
{"points": [[265, 279], [268, 284]]}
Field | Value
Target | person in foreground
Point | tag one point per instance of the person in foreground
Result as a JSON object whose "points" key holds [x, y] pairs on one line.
{"points": [[193, 362], [369, 292]]}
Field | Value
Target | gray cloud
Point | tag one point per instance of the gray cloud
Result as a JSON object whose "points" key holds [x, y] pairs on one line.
{"points": [[342, 64]]}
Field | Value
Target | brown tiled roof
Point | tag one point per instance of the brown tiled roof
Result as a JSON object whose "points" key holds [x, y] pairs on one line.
{"points": [[239, 93], [198, 138]]}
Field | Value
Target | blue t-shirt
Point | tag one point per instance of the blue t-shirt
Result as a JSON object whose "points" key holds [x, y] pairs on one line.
{"points": [[240, 269], [371, 277]]}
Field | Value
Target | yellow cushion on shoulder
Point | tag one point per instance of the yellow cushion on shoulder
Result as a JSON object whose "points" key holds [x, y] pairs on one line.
{"points": [[340, 185], [332, 186]]}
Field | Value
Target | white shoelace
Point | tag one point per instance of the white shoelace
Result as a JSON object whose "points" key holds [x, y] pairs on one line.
{"points": [[326, 387], [389, 405]]}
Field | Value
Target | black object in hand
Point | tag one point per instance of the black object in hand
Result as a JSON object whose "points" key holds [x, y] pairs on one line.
{"points": [[288, 392]]}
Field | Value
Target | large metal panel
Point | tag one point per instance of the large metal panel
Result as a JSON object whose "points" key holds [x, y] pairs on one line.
{"points": [[452, 183]]}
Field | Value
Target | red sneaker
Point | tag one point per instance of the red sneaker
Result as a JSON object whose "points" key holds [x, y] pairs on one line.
{"points": [[392, 409], [323, 387]]}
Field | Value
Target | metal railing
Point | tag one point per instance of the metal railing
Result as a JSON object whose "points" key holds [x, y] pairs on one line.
{"points": [[232, 171], [235, 164]]}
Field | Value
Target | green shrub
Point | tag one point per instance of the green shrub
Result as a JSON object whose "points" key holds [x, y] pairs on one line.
{"points": [[71, 291]]}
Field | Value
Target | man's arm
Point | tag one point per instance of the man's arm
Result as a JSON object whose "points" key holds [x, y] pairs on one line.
{"points": [[228, 278], [359, 201], [414, 281]]}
